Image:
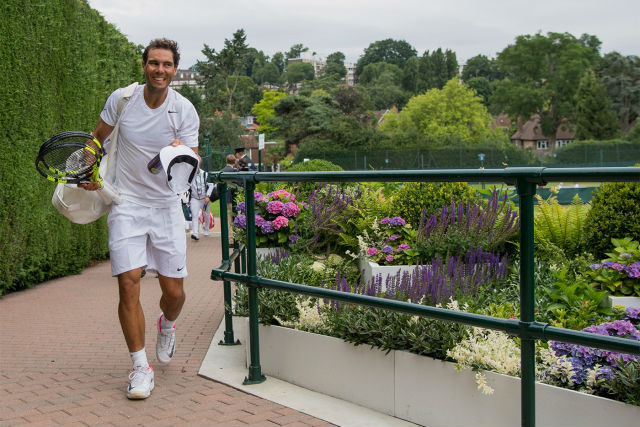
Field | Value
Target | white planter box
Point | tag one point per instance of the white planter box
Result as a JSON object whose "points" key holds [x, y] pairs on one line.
{"points": [[421, 389], [371, 269], [625, 301]]}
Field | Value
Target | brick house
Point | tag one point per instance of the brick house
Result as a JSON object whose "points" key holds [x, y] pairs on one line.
{"points": [[529, 135]]}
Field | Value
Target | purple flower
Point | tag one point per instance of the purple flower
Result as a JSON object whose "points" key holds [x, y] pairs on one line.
{"points": [[608, 264], [633, 270], [372, 251], [259, 197], [259, 220], [394, 237], [275, 207], [290, 210], [617, 266], [241, 207], [385, 220], [387, 249], [267, 227], [625, 255], [396, 220], [293, 238], [280, 222], [595, 266], [632, 313], [240, 221], [389, 258], [403, 246]]}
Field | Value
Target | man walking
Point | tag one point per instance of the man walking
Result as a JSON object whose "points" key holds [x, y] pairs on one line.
{"points": [[146, 230]]}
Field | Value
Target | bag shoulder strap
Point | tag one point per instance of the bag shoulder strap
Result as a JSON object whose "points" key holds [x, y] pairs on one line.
{"points": [[126, 95]]}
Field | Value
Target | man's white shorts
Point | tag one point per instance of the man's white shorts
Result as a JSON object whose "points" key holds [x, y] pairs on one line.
{"points": [[141, 236]]}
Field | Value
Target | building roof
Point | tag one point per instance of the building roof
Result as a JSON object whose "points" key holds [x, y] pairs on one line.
{"points": [[531, 130]]}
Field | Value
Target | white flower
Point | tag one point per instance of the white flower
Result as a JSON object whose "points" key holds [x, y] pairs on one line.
{"points": [[317, 266]]}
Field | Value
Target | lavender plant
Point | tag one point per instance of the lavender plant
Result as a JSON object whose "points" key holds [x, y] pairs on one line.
{"points": [[457, 227], [328, 209], [456, 277]]}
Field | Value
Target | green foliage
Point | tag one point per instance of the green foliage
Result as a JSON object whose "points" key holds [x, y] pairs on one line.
{"points": [[625, 384], [561, 226], [264, 110], [621, 76], [543, 73], [614, 213], [453, 111], [303, 189], [59, 65], [574, 303], [594, 117], [620, 273], [395, 52], [414, 197], [389, 330]]}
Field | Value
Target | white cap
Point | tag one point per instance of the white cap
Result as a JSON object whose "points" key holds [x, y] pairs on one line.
{"points": [[180, 163]]}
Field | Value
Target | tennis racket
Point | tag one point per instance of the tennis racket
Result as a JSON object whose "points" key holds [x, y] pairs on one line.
{"points": [[74, 158], [70, 158]]}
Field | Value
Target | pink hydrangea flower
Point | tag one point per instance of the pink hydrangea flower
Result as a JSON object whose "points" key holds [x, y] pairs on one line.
{"points": [[389, 258], [275, 207], [372, 251], [403, 246], [290, 210], [280, 222]]}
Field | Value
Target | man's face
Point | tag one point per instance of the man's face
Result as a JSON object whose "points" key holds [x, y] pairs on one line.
{"points": [[239, 154], [159, 69]]}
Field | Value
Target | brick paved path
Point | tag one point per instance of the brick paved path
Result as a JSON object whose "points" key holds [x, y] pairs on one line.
{"points": [[63, 359]]}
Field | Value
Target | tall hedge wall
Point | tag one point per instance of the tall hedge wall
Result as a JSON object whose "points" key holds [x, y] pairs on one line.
{"points": [[59, 60]]}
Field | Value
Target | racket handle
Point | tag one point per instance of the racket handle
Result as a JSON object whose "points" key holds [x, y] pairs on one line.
{"points": [[108, 193]]}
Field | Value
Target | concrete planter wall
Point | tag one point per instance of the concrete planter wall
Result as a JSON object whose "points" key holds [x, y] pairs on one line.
{"points": [[371, 269], [420, 389], [625, 301]]}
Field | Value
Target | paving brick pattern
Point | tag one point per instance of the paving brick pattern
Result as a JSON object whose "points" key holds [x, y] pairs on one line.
{"points": [[63, 359]]}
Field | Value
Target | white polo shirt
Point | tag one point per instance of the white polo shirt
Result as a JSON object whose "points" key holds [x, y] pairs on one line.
{"points": [[143, 133]]}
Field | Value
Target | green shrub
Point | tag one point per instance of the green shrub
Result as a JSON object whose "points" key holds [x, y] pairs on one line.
{"points": [[560, 226], [59, 65], [615, 213], [414, 197], [303, 189]]}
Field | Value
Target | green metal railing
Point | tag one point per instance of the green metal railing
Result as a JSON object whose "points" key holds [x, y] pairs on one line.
{"points": [[527, 328]]}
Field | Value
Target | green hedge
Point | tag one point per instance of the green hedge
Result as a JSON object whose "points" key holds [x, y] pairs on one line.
{"points": [[60, 61]]}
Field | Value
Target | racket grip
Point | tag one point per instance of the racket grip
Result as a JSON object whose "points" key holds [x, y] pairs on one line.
{"points": [[109, 194]]}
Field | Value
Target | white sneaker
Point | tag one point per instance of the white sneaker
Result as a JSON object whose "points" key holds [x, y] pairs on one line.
{"points": [[206, 234], [141, 383], [166, 342]]}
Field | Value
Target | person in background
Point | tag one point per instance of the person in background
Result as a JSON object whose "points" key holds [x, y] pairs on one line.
{"points": [[240, 155], [230, 161], [200, 200]]}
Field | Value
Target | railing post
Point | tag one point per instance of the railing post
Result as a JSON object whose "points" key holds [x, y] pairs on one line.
{"points": [[255, 374], [224, 238], [526, 193]]}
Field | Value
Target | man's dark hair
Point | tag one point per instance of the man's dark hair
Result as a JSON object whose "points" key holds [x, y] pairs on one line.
{"points": [[162, 44]]}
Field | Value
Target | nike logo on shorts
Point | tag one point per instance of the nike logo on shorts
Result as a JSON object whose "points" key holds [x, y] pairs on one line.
{"points": [[181, 268]]}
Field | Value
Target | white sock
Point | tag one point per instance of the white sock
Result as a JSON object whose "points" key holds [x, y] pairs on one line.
{"points": [[139, 358], [167, 324]]}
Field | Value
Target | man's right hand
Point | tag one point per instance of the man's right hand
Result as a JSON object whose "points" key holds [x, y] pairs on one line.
{"points": [[91, 186]]}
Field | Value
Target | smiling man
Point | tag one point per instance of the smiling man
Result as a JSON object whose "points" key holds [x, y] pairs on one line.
{"points": [[146, 230]]}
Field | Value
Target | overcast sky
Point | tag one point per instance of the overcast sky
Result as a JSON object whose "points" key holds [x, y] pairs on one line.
{"points": [[468, 27]]}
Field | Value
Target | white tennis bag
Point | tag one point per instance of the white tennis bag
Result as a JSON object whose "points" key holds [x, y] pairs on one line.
{"points": [[81, 206]]}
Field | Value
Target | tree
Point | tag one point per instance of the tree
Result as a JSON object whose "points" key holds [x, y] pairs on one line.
{"points": [[395, 52], [452, 113], [278, 61], [299, 71], [594, 118], [373, 73], [352, 100], [296, 50], [264, 110], [222, 70], [543, 73], [223, 129], [621, 77], [481, 66], [335, 65], [193, 95], [436, 69], [298, 117]]}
